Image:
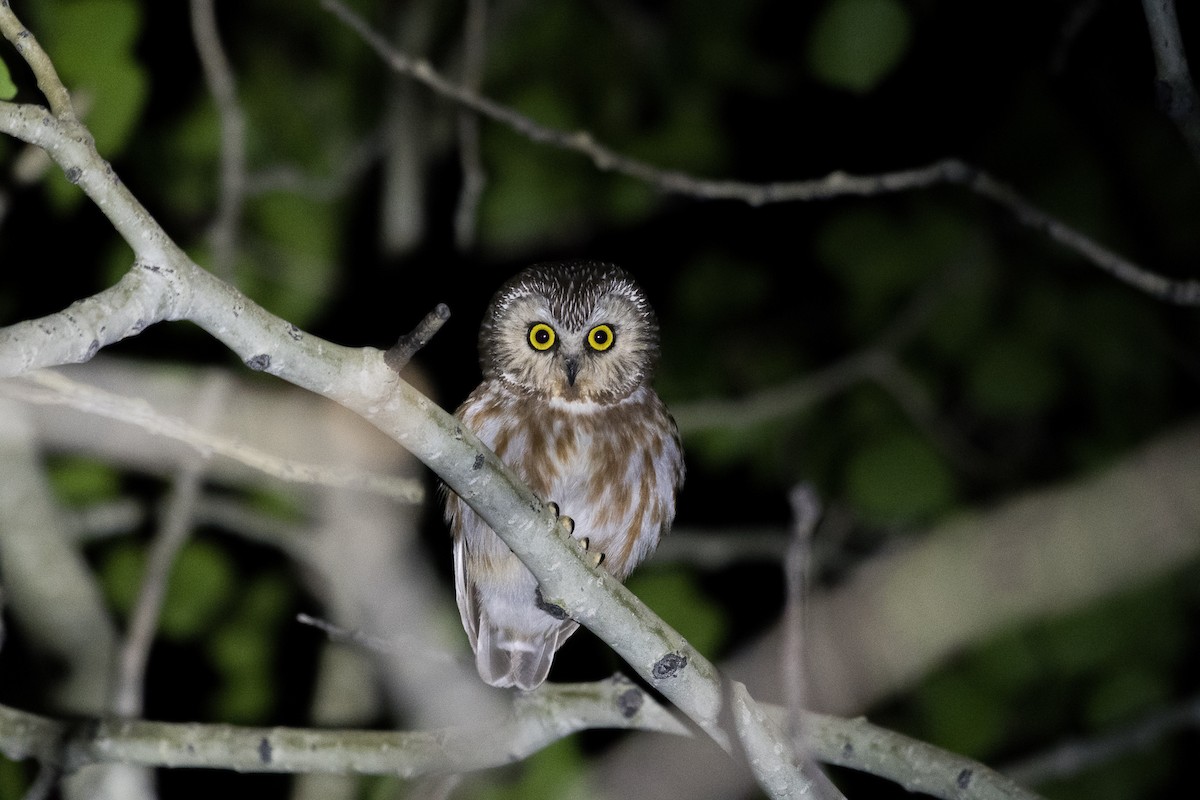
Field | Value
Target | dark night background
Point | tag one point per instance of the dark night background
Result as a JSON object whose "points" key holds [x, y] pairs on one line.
{"points": [[1033, 366]]}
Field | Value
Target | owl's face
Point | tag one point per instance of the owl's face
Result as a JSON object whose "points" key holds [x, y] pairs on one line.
{"points": [[574, 331]]}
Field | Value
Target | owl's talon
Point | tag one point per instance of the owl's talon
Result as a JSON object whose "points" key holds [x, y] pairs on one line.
{"points": [[554, 507], [567, 524], [586, 545]]}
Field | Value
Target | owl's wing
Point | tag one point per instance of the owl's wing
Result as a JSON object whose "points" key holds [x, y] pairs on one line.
{"points": [[464, 593]]}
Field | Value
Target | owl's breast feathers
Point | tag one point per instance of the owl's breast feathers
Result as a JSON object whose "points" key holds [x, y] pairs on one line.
{"points": [[613, 467]]}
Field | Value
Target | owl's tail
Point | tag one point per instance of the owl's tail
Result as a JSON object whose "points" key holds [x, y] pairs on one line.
{"points": [[505, 658]]}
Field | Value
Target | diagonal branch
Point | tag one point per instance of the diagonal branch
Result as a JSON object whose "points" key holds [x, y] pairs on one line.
{"points": [[837, 184], [1176, 93]]}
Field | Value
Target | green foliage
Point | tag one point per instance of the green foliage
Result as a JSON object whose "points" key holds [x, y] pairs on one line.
{"points": [[883, 259], [92, 43], [199, 588], [291, 265], [855, 44], [1013, 376], [1093, 671], [78, 481], [899, 477], [8, 89], [673, 594], [244, 647], [719, 289], [552, 772], [13, 784]]}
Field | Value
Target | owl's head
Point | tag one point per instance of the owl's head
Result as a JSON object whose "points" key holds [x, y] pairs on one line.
{"points": [[572, 331]]}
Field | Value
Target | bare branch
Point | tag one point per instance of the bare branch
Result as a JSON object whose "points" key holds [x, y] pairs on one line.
{"points": [[836, 184], [1176, 93], [219, 76], [537, 719], [398, 356], [1074, 757], [469, 158], [52, 87], [368, 641], [134, 651], [54, 387]]}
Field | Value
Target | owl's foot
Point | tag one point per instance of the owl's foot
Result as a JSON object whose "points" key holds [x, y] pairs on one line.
{"points": [[567, 525]]}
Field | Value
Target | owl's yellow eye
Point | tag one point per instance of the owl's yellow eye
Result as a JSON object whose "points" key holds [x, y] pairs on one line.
{"points": [[600, 338], [541, 336]]}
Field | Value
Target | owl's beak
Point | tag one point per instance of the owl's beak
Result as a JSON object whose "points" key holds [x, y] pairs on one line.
{"points": [[571, 365]]}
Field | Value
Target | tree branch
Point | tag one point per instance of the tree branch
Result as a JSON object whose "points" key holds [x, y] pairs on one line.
{"points": [[53, 387], [221, 84], [1176, 93], [837, 184], [535, 720]]}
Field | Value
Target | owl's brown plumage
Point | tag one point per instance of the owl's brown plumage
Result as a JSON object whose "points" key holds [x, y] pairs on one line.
{"points": [[567, 352]]}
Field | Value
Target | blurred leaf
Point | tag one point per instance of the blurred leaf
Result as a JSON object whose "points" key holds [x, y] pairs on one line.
{"points": [[201, 587], [552, 772], [899, 478], [93, 43], [1123, 696], [8, 89], [855, 44], [532, 196], [1014, 376], [245, 698], [198, 590], [79, 481], [961, 715], [882, 259], [276, 504], [725, 446], [292, 267], [121, 571], [13, 784], [715, 288], [267, 600], [674, 596], [240, 647]]}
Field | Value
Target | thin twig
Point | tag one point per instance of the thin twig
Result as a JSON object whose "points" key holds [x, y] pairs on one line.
{"points": [[221, 84], [806, 513], [1072, 758], [134, 651], [27, 46], [1176, 93], [352, 165], [53, 387], [837, 184], [399, 354], [48, 777], [388, 645], [469, 157]]}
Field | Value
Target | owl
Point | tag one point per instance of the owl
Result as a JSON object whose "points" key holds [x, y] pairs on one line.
{"points": [[567, 352]]}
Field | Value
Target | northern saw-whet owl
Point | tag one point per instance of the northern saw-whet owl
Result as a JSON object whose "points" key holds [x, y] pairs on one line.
{"points": [[567, 351]]}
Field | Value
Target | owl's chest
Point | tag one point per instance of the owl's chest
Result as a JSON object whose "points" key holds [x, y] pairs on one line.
{"points": [[567, 448], [555, 451]]}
